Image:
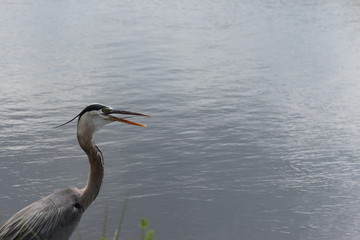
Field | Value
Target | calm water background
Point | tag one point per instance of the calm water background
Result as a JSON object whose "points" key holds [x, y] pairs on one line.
{"points": [[255, 127]]}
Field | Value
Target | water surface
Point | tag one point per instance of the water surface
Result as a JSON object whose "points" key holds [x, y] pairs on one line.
{"points": [[254, 131]]}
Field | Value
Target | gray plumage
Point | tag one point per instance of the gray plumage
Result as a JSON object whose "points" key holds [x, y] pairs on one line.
{"points": [[56, 216]]}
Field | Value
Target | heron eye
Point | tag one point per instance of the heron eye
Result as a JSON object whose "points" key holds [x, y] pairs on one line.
{"points": [[106, 110]]}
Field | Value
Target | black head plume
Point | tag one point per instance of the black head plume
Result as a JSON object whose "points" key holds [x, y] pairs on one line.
{"points": [[67, 121], [89, 108]]}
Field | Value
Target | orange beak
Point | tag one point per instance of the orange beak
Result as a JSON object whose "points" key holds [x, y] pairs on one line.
{"points": [[124, 120]]}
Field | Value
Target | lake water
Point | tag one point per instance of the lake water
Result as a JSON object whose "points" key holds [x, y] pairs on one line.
{"points": [[255, 127]]}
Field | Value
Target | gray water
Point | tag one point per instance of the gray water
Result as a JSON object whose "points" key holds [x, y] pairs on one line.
{"points": [[255, 127]]}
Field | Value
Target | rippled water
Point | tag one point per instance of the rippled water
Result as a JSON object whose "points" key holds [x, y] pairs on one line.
{"points": [[255, 125]]}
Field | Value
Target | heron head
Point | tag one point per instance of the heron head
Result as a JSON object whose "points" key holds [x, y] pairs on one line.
{"points": [[97, 115]]}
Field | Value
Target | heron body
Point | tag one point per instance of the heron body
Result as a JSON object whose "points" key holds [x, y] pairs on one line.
{"points": [[56, 216]]}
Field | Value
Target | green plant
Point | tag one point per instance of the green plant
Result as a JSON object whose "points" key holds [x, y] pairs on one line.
{"points": [[122, 217], [103, 237], [146, 234]]}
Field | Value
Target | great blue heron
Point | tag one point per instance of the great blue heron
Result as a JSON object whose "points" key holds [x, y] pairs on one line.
{"points": [[56, 216]]}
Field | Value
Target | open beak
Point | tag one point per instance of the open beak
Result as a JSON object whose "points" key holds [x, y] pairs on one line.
{"points": [[118, 119]]}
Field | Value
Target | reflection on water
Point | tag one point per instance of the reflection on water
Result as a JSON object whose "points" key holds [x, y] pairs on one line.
{"points": [[254, 131]]}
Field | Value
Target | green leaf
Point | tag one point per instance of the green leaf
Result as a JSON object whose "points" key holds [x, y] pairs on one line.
{"points": [[105, 223], [143, 223], [150, 235]]}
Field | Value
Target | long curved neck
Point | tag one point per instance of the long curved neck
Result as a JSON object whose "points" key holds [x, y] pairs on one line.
{"points": [[91, 190]]}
